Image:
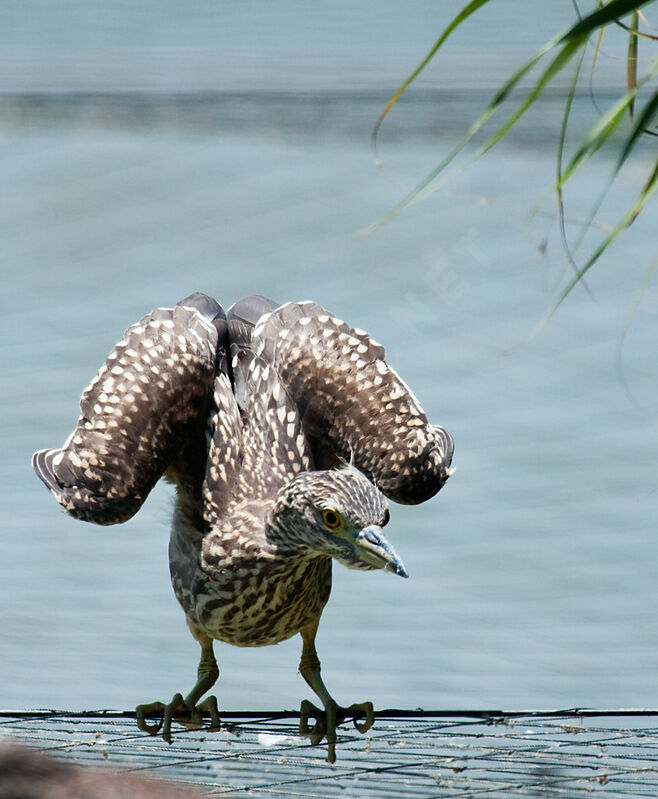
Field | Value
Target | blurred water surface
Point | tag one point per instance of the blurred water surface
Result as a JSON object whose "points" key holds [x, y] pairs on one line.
{"points": [[533, 573]]}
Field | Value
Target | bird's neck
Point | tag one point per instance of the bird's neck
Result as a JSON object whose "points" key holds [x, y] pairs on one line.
{"points": [[288, 537]]}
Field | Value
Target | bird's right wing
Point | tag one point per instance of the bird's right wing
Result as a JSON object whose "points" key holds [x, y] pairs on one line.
{"points": [[146, 409]]}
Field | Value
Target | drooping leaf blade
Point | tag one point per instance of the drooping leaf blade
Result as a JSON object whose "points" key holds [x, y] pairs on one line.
{"points": [[466, 12]]}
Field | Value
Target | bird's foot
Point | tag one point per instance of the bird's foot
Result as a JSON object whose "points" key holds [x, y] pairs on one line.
{"points": [[189, 716], [331, 717]]}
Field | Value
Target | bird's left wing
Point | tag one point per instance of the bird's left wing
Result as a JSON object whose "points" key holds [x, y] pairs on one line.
{"points": [[351, 403], [145, 408]]}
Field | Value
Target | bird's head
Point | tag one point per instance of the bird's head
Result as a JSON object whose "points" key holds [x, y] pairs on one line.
{"points": [[338, 513]]}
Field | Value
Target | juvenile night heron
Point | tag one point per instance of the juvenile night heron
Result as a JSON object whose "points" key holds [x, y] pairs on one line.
{"points": [[283, 430]]}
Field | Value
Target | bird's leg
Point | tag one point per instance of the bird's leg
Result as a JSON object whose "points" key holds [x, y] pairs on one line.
{"points": [[325, 721], [207, 675]]}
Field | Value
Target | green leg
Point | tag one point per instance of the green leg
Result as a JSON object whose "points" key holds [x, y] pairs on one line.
{"points": [[333, 715], [207, 674]]}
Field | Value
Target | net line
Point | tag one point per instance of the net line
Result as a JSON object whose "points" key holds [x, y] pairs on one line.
{"points": [[573, 752]]}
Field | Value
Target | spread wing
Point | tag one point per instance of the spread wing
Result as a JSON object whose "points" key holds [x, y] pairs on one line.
{"points": [[303, 391], [351, 403], [145, 412]]}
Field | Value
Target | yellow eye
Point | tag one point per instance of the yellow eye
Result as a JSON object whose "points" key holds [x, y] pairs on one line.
{"points": [[331, 518]]}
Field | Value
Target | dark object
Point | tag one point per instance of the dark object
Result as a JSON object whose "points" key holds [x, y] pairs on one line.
{"points": [[27, 774]]}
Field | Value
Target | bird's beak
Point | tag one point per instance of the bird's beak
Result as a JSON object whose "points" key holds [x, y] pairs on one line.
{"points": [[374, 549]]}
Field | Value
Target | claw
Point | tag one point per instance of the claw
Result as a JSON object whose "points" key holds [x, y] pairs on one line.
{"points": [[177, 703], [191, 716], [331, 717], [143, 710], [317, 732], [359, 709], [209, 704], [320, 729]]}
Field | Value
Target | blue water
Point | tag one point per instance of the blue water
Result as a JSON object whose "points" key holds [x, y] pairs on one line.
{"points": [[533, 573]]}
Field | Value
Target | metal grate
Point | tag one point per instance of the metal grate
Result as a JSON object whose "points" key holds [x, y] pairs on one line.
{"points": [[567, 753]]}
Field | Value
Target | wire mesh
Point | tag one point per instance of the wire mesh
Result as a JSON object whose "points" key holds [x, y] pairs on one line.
{"points": [[429, 755]]}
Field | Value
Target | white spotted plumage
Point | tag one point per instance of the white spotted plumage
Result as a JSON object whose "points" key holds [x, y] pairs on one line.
{"points": [[235, 408]]}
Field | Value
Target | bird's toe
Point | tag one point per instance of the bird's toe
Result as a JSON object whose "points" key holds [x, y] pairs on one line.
{"points": [[358, 711], [149, 709]]}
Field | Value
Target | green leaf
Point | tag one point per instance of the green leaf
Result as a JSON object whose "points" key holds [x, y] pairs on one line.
{"points": [[423, 188], [566, 45], [604, 15], [649, 188], [631, 61], [466, 12]]}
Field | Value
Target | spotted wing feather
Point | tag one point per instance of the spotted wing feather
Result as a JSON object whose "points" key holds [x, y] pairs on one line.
{"points": [[351, 402], [149, 401], [225, 452], [275, 447]]}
